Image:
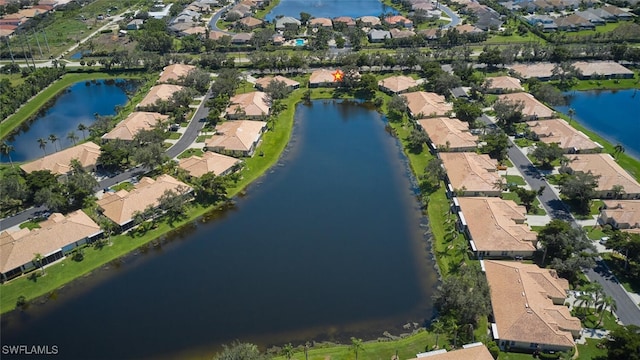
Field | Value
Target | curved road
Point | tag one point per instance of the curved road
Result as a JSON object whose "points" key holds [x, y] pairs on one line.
{"points": [[455, 19]]}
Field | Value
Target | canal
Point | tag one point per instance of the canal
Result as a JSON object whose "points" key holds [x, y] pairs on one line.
{"points": [[330, 8], [331, 243]]}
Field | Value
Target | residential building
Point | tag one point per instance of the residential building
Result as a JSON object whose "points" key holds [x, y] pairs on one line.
{"points": [[449, 134], [603, 69], [237, 137], [528, 307], [241, 38], [502, 85], [209, 162], [623, 215], [321, 22], [322, 78], [217, 35], [162, 92], [370, 21], [376, 35], [128, 128], [471, 174], [533, 109], [468, 29], [566, 136], [283, 21], [475, 351], [619, 13], [251, 105], [427, 104], [611, 175], [250, 22], [135, 24], [397, 84], [56, 237], [121, 206], [496, 228], [174, 72], [346, 20], [398, 20], [401, 34], [59, 162], [542, 71], [263, 82]]}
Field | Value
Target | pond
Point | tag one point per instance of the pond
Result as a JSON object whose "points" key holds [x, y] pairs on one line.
{"points": [[331, 243], [329, 8], [614, 115], [75, 105]]}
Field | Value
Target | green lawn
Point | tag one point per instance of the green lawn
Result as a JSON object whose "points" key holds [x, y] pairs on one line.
{"points": [[600, 29], [514, 38], [594, 232], [616, 263], [536, 209], [608, 84], [516, 180], [174, 136], [190, 152], [123, 186]]}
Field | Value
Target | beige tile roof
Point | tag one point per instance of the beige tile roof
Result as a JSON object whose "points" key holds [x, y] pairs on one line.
{"points": [[624, 212], [606, 68], [397, 19], [427, 104], [326, 22], [397, 84], [250, 21], [522, 300], [263, 82], [136, 121], [209, 162], [468, 28], [370, 20], [174, 72], [194, 30], [254, 103], [59, 162], [497, 225], [345, 19], [159, 92], [532, 107], [478, 352], [18, 248], [120, 206], [400, 34], [535, 70], [216, 35], [443, 131], [610, 172], [504, 83], [321, 76], [474, 172], [560, 132], [237, 135]]}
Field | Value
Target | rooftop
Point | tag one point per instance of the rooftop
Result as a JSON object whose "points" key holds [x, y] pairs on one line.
{"points": [[321, 76], [603, 165], [474, 172], [449, 132], [504, 83], [427, 104], [134, 123], [174, 72], [162, 92], [560, 132], [397, 84], [237, 135], [532, 107], [209, 162], [254, 103], [623, 212], [263, 82], [59, 162]]}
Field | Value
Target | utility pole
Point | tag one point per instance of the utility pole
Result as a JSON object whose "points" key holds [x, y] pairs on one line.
{"points": [[37, 42]]}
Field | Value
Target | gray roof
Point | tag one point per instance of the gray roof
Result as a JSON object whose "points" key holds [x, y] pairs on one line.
{"points": [[379, 34], [280, 23]]}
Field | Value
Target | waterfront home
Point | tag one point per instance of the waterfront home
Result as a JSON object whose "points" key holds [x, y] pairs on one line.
{"points": [[569, 139], [236, 137], [401, 34], [449, 134], [282, 22], [502, 85], [121, 206], [56, 237], [59, 163], [369, 21], [541, 71], [603, 69], [263, 82], [495, 227], [376, 35], [162, 92], [213, 162], [321, 22], [611, 175], [250, 22], [322, 78], [346, 20], [424, 104], [533, 109], [174, 72], [474, 351], [471, 174], [134, 123], [397, 84], [398, 20], [251, 105], [623, 215], [528, 307]]}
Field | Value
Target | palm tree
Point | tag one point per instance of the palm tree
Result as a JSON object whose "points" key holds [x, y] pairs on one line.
{"points": [[37, 260], [73, 137], [607, 303], [7, 149], [82, 127], [617, 191], [42, 142], [618, 149], [437, 327], [287, 351], [571, 112], [584, 302], [53, 138], [356, 346], [453, 327]]}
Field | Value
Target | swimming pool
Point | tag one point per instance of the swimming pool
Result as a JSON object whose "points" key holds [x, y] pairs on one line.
{"points": [[299, 42]]}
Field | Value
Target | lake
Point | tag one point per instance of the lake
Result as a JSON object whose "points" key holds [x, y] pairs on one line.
{"points": [[331, 243], [329, 8], [614, 115], [77, 104]]}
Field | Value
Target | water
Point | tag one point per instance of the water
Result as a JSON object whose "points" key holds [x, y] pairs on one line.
{"points": [[329, 8], [79, 55], [614, 115], [328, 245], [74, 106]]}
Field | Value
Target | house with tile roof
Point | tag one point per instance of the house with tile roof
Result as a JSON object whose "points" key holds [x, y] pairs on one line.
{"points": [[566, 136], [610, 175], [209, 162], [370, 20], [162, 92], [376, 35], [59, 162], [502, 85], [623, 215], [528, 307], [346, 20], [263, 82], [322, 78], [533, 109], [282, 22], [56, 237], [449, 134], [398, 20], [495, 227], [321, 22], [236, 137], [134, 123], [250, 22], [424, 104], [471, 174], [121, 206], [475, 351], [251, 105], [397, 84], [174, 72]]}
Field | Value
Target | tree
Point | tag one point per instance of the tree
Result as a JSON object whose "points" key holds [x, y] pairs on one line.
{"points": [[437, 327], [444, 82], [53, 138], [42, 143], [434, 172], [607, 303], [6, 150], [618, 149], [37, 260], [579, 189], [463, 296], [397, 107], [561, 241], [467, 111], [150, 156], [549, 94], [624, 342], [304, 18], [80, 184], [51, 198], [277, 90], [71, 136], [571, 112], [173, 203], [114, 155], [211, 188], [547, 153], [416, 140], [497, 145], [82, 127], [356, 346], [240, 351], [287, 351], [490, 56], [527, 197], [617, 191], [508, 113], [108, 227]]}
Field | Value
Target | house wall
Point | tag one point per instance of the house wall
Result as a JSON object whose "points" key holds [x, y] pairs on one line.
{"points": [[505, 344]]}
